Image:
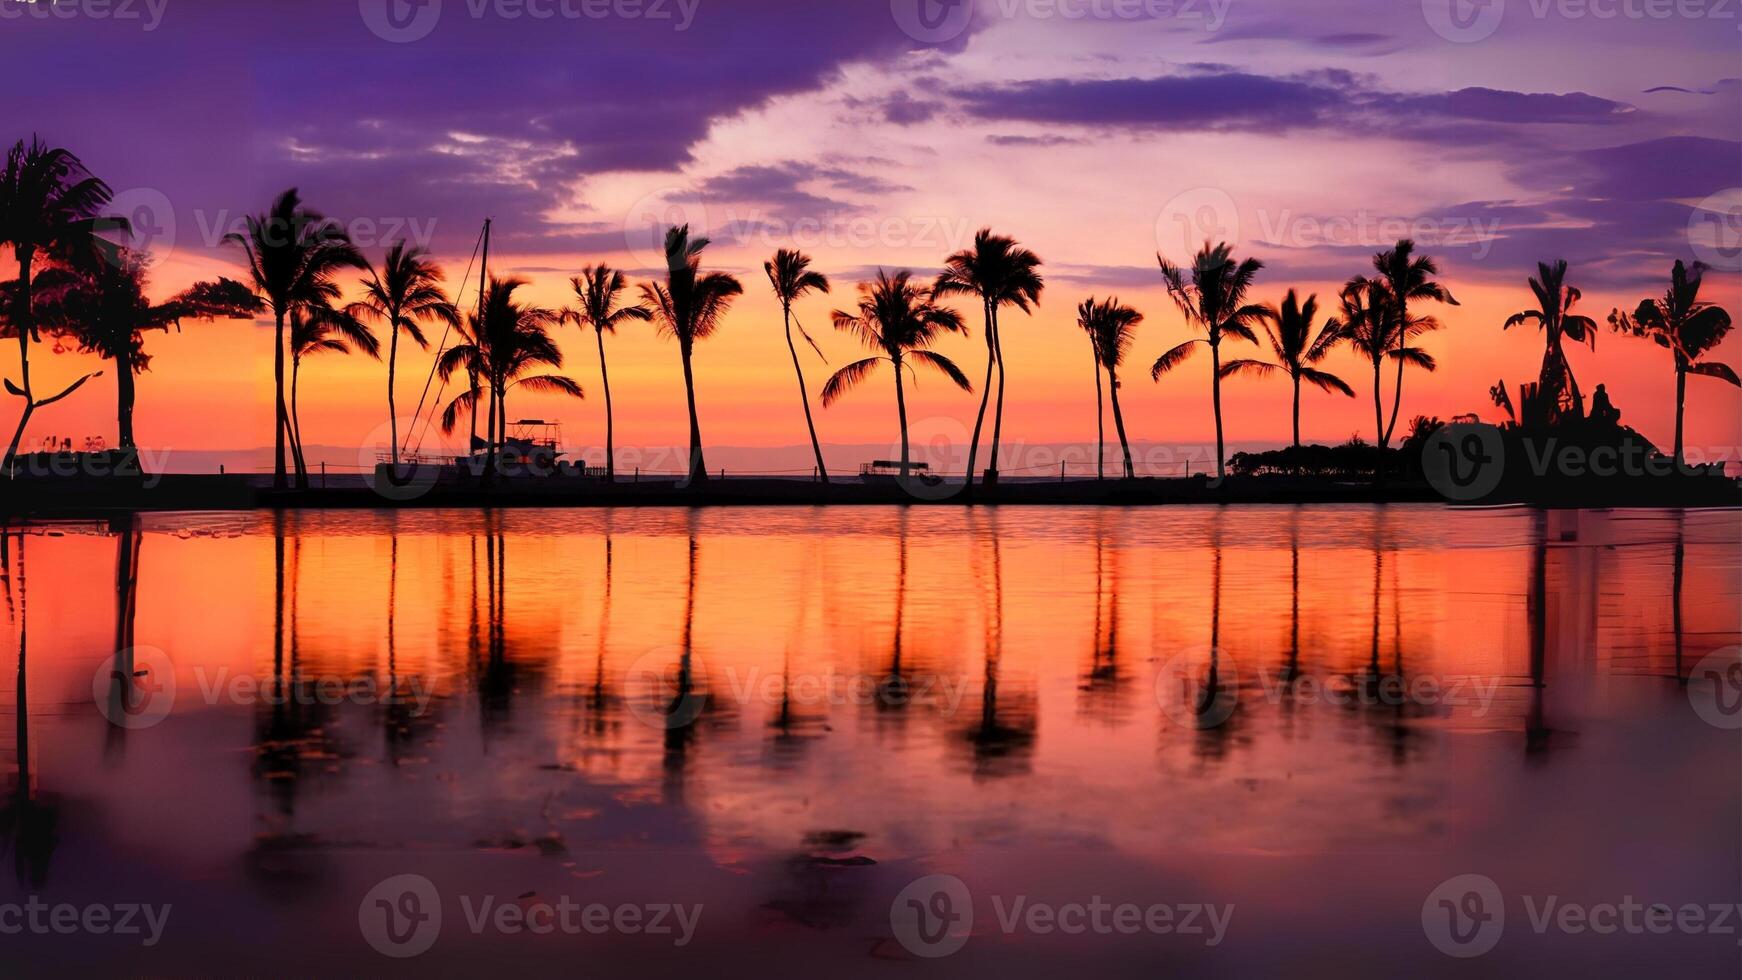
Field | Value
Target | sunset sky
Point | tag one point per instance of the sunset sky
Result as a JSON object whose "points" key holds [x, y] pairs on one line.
{"points": [[1095, 132]]}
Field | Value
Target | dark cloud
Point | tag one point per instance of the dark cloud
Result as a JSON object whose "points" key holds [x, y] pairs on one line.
{"points": [[1050, 139]]}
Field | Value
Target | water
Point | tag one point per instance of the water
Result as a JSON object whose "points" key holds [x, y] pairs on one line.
{"points": [[787, 716]]}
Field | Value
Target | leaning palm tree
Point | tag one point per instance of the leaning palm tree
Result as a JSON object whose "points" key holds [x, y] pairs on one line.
{"points": [[1213, 300], [689, 306], [405, 292], [294, 255], [898, 319], [507, 341], [1085, 322], [49, 209], [790, 275], [1001, 273], [1289, 329], [1112, 326], [1554, 300], [319, 329], [597, 290], [1687, 327], [1409, 277]]}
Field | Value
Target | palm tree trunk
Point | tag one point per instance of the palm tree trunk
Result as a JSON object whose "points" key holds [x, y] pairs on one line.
{"points": [[1296, 411], [1119, 421], [392, 360], [698, 466], [25, 256], [610, 451], [1681, 393], [1378, 425], [804, 396], [998, 413], [296, 427], [279, 482], [124, 397], [985, 394], [901, 411], [1396, 399], [1100, 422], [1216, 401]]}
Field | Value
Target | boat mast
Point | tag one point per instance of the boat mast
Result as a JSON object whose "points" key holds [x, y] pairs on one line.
{"points": [[472, 374]]}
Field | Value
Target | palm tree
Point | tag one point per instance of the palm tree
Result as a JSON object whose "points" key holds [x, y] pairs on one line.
{"points": [[1296, 349], [1409, 277], [1112, 327], [1368, 320], [49, 206], [319, 329], [898, 319], [404, 291], [1686, 326], [1001, 273], [1085, 322], [509, 340], [1554, 300], [1214, 301], [597, 289], [789, 273], [690, 306], [293, 253]]}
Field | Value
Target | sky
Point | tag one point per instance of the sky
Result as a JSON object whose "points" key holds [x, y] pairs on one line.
{"points": [[881, 134]]}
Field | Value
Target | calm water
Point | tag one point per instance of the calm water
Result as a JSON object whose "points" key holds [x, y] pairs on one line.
{"points": [[1314, 716]]}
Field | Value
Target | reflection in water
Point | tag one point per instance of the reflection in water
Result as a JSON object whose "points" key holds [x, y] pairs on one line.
{"points": [[30, 819], [1002, 741]]}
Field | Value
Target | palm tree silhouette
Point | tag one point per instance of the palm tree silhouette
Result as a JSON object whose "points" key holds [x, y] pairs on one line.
{"points": [[1368, 320], [511, 340], [899, 319], [1001, 273], [690, 307], [1409, 277], [597, 289], [1687, 327], [1554, 300], [405, 290], [1297, 350], [1214, 301], [789, 273], [1111, 326], [319, 329], [293, 254], [49, 206]]}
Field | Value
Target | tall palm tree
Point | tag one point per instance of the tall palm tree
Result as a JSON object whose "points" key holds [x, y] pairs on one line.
{"points": [[509, 340], [1001, 273], [404, 292], [1368, 320], [790, 275], [1112, 326], [294, 255], [49, 209], [597, 289], [690, 306], [898, 319], [1289, 328], [1213, 300], [320, 329], [1085, 322], [1554, 301], [1687, 327], [1409, 277]]}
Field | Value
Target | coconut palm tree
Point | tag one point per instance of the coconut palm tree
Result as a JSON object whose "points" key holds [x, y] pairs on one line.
{"points": [[1001, 273], [597, 289], [789, 273], [1289, 329], [509, 340], [294, 255], [49, 209], [1085, 312], [405, 292], [689, 306], [319, 329], [1409, 277], [898, 319], [1368, 320], [1213, 300], [1111, 326], [1554, 300], [1687, 327]]}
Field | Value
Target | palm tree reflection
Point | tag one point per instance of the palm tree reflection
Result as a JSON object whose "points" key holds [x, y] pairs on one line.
{"points": [[1102, 684], [28, 820], [1002, 740]]}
